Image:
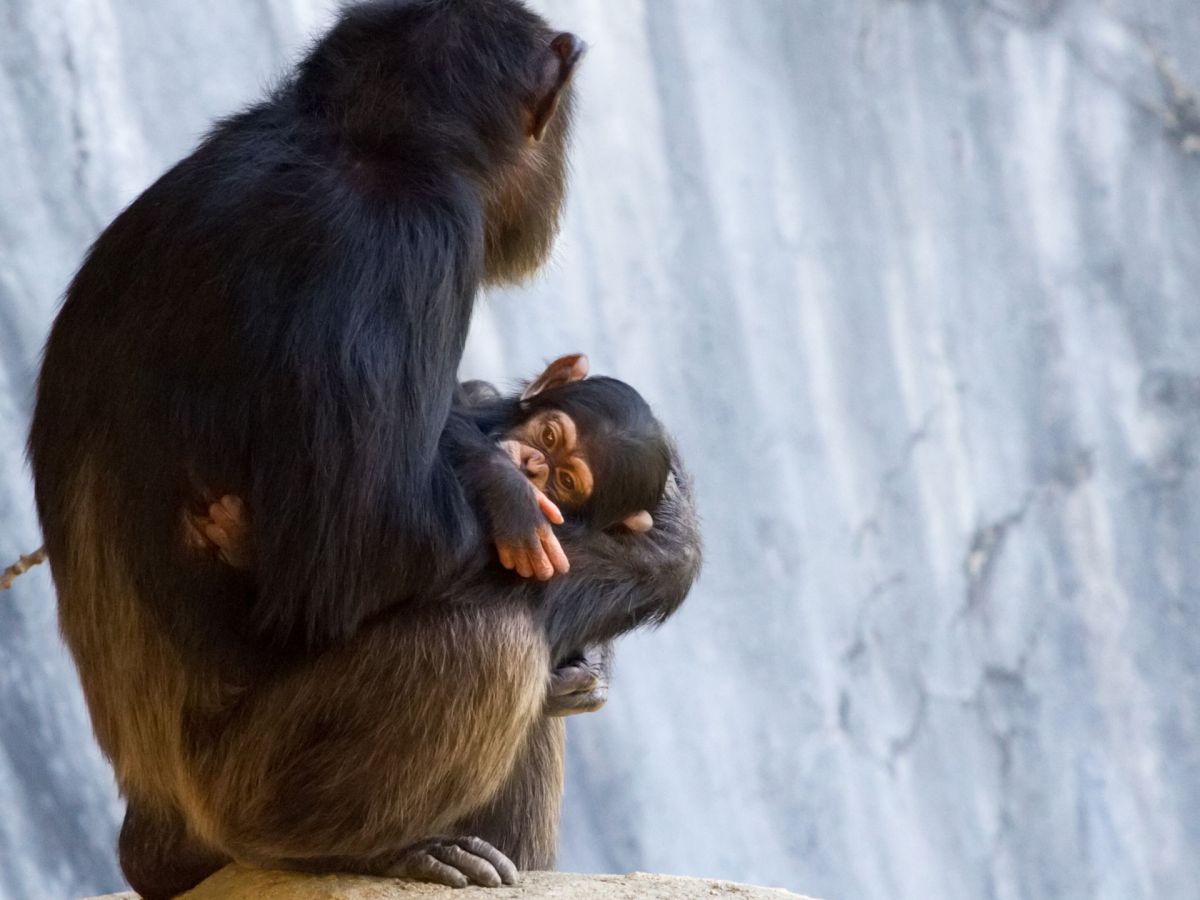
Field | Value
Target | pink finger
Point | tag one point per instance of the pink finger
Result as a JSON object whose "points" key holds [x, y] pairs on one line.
{"points": [[549, 509], [545, 571], [554, 550], [558, 559]]}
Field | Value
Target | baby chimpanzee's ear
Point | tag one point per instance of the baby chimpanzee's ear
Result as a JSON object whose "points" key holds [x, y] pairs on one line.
{"points": [[562, 371], [639, 522]]}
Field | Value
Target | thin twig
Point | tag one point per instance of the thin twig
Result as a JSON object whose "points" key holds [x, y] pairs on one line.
{"points": [[21, 566]]}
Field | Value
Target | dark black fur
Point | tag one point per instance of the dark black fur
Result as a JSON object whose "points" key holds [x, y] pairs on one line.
{"points": [[282, 314]]}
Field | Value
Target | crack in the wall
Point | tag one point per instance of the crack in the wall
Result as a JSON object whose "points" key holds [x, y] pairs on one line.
{"points": [[1182, 117], [1000, 679], [987, 544], [851, 656], [897, 746], [996, 683], [1179, 106], [1177, 109], [989, 539], [858, 646], [888, 481], [986, 698]]}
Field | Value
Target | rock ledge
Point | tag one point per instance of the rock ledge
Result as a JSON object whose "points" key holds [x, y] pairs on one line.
{"points": [[237, 883]]}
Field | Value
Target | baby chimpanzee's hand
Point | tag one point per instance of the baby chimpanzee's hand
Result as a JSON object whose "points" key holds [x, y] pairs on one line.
{"points": [[524, 539], [539, 554]]}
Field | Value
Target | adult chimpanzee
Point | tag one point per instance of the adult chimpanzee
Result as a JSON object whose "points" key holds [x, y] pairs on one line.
{"points": [[281, 317]]}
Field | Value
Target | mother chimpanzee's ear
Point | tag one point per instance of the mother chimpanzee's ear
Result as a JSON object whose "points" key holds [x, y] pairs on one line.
{"points": [[562, 58]]}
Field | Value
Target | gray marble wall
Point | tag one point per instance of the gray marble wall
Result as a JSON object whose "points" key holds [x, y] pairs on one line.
{"points": [[915, 283]]}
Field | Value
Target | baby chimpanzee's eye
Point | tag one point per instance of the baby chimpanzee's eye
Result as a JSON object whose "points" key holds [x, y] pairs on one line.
{"points": [[566, 481], [548, 436]]}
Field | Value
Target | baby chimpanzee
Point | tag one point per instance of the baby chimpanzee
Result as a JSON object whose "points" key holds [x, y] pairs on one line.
{"points": [[591, 446]]}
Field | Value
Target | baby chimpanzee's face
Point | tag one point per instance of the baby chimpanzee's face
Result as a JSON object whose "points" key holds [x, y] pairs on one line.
{"points": [[550, 450]]}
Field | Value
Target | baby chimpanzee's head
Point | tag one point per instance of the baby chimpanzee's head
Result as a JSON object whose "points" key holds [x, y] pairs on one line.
{"points": [[591, 444]]}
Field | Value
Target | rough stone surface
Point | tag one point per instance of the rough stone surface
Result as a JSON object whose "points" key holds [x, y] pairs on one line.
{"points": [[236, 883], [916, 285]]}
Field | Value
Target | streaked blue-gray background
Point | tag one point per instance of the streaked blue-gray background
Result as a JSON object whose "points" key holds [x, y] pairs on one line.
{"points": [[916, 285]]}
